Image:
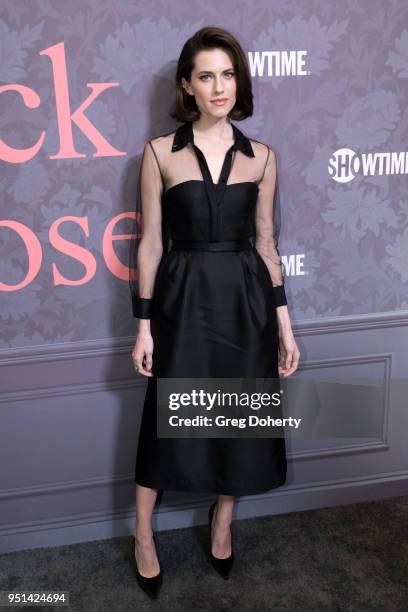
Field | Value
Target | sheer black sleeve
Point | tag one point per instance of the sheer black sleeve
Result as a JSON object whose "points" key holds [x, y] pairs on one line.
{"points": [[268, 223], [146, 246]]}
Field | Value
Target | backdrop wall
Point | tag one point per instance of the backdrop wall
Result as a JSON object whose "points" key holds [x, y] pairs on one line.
{"points": [[84, 84]]}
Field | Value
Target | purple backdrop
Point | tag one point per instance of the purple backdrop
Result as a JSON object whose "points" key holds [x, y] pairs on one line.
{"points": [[344, 245], [330, 85]]}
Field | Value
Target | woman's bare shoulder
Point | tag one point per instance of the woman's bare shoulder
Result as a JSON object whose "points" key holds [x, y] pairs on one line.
{"points": [[163, 140], [261, 149], [259, 146], [162, 146]]}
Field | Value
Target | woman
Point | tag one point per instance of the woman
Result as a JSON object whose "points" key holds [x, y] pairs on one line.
{"points": [[213, 305]]}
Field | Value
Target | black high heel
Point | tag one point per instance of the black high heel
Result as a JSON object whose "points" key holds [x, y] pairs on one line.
{"points": [[222, 566], [151, 586]]}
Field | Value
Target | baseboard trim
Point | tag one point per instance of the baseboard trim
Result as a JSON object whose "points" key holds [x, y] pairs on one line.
{"points": [[191, 512]]}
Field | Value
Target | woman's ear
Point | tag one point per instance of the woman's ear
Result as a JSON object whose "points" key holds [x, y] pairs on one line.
{"points": [[187, 86]]}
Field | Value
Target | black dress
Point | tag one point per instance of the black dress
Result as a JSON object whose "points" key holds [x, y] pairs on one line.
{"points": [[214, 302]]}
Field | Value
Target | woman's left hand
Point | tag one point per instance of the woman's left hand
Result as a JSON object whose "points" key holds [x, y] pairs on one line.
{"points": [[288, 353]]}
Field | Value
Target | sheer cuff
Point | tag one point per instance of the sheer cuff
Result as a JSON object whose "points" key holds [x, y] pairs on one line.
{"points": [[279, 295], [142, 308]]}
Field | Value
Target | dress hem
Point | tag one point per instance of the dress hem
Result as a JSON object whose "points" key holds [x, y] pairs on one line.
{"points": [[208, 486]]}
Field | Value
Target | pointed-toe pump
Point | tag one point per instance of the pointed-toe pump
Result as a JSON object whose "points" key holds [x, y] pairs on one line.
{"points": [[151, 586], [222, 566]]}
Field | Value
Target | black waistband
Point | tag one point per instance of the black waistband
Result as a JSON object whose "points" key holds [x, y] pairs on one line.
{"points": [[226, 245]]}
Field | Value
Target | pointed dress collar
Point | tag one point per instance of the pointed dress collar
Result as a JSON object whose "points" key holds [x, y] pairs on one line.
{"points": [[184, 134]]}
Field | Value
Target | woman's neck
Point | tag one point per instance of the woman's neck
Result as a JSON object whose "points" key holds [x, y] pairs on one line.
{"points": [[219, 130]]}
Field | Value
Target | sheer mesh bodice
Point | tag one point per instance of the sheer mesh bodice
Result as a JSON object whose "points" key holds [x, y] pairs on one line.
{"points": [[178, 199]]}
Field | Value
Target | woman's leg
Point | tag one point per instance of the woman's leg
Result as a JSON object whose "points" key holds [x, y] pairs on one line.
{"points": [[145, 550], [221, 532]]}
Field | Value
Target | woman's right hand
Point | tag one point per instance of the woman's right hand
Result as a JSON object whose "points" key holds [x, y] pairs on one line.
{"points": [[142, 353]]}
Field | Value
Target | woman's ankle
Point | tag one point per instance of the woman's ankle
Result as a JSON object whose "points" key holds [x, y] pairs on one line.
{"points": [[143, 534], [222, 519]]}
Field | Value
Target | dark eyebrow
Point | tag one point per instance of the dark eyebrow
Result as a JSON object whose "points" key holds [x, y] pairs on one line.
{"points": [[209, 71]]}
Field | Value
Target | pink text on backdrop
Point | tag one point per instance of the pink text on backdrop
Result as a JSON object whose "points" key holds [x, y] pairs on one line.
{"points": [[67, 150], [34, 250], [64, 116]]}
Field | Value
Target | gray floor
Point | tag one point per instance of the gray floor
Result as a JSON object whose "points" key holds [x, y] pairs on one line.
{"points": [[346, 558]]}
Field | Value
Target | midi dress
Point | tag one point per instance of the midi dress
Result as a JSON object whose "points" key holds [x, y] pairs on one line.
{"points": [[214, 296]]}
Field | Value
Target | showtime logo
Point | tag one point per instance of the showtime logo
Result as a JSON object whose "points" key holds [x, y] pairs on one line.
{"points": [[293, 264], [345, 164], [278, 63]]}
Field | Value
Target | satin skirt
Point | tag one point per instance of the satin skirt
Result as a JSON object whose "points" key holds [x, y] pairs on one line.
{"points": [[213, 316]]}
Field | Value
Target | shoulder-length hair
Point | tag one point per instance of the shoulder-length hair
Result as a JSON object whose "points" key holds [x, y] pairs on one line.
{"points": [[185, 107]]}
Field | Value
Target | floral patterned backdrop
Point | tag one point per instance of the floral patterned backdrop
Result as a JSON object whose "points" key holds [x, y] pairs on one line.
{"points": [[345, 243]]}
